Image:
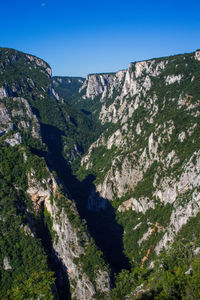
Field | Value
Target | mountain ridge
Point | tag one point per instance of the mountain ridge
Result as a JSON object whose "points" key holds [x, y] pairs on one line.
{"points": [[111, 160]]}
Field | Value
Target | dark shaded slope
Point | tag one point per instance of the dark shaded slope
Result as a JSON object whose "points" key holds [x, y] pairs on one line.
{"points": [[67, 87]]}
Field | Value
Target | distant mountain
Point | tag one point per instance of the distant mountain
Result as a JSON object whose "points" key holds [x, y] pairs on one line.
{"points": [[67, 87]]}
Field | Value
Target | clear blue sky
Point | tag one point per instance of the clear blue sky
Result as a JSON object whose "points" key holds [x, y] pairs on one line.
{"points": [[81, 37]]}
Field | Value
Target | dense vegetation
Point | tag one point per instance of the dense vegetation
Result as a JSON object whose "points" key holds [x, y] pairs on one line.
{"points": [[27, 274], [180, 117], [175, 275], [67, 87], [66, 130], [63, 135]]}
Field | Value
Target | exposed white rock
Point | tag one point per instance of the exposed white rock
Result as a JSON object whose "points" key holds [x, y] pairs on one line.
{"points": [[191, 129], [115, 139], [168, 190], [150, 67], [102, 282], [96, 85], [137, 226], [117, 182], [6, 264], [27, 230], [67, 249], [4, 115], [135, 81], [40, 63], [102, 85], [15, 139], [173, 190], [196, 251], [140, 67], [3, 93], [171, 159], [21, 112], [197, 55], [179, 217], [31, 82], [181, 136], [153, 147], [66, 246], [173, 78], [140, 205], [24, 110], [138, 129], [5, 120], [55, 95], [40, 192], [147, 83], [122, 177]]}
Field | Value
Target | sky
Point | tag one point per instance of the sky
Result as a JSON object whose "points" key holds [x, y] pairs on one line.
{"points": [[81, 37]]}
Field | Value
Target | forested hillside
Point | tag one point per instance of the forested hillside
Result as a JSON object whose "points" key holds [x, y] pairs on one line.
{"points": [[100, 195], [46, 250]]}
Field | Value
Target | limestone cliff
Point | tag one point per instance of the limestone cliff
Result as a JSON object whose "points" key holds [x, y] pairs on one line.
{"points": [[69, 241], [33, 122], [150, 157], [136, 133]]}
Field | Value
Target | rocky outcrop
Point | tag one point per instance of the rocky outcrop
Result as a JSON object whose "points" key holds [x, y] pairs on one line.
{"points": [[15, 139], [19, 117], [185, 195], [173, 78], [68, 249], [25, 100], [6, 264], [5, 120], [40, 192], [67, 246], [55, 95], [149, 154], [197, 55], [3, 93], [150, 163], [40, 63], [141, 205], [74, 153], [135, 81]]}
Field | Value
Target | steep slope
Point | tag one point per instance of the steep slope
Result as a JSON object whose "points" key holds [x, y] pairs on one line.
{"points": [[147, 163], [135, 149], [68, 87], [32, 126]]}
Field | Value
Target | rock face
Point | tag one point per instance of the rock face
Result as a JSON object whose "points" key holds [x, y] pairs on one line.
{"points": [[14, 140], [6, 264], [5, 120], [147, 158], [40, 63], [3, 93], [68, 249], [197, 55], [31, 117], [139, 206], [120, 86], [146, 161], [16, 120], [67, 245]]}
